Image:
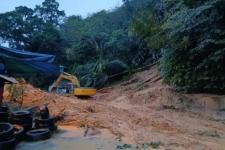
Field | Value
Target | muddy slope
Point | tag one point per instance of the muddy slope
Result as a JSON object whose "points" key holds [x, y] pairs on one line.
{"points": [[142, 110]]}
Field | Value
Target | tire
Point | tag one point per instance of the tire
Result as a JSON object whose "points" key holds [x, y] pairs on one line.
{"points": [[50, 127], [27, 127], [4, 117], [21, 114], [38, 134], [50, 120], [4, 114], [23, 121], [4, 109], [19, 132], [6, 131], [23, 118], [8, 145], [26, 124], [45, 123]]}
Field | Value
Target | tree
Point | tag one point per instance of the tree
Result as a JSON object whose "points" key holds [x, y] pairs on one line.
{"points": [[18, 27], [49, 12], [24, 28], [49, 39], [72, 30], [194, 57]]}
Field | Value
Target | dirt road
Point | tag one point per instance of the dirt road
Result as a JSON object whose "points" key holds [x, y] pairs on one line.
{"points": [[143, 110]]}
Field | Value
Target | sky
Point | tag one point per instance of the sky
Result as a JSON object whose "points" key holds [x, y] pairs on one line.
{"points": [[71, 7]]}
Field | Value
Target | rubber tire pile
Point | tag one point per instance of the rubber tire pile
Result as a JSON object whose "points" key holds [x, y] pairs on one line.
{"points": [[21, 125]]}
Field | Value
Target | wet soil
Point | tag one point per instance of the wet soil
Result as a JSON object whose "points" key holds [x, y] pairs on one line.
{"points": [[70, 138], [143, 110]]}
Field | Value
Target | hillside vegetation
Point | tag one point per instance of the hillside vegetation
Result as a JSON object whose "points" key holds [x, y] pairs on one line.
{"points": [[186, 36]]}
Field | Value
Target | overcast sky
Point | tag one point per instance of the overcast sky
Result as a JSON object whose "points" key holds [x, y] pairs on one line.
{"points": [[71, 7]]}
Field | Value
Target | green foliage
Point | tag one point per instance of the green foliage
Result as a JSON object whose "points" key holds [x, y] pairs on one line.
{"points": [[32, 29], [49, 39], [189, 34], [195, 55], [191, 3], [40, 80], [72, 30], [102, 37], [191, 42], [15, 27], [49, 12], [36, 29], [151, 30]]}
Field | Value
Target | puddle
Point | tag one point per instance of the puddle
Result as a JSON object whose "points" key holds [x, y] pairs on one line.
{"points": [[71, 138]]}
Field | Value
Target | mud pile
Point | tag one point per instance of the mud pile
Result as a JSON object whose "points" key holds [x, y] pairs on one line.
{"points": [[143, 110]]}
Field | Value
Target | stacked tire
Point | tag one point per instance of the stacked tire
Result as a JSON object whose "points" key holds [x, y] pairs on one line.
{"points": [[41, 130], [38, 134], [4, 114], [23, 118], [19, 132], [19, 125], [48, 123], [7, 139], [45, 120]]}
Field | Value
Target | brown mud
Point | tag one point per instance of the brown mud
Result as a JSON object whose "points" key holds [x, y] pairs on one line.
{"points": [[142, 110]]}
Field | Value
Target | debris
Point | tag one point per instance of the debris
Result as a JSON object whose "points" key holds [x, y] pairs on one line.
{"points": [[124, 146]]}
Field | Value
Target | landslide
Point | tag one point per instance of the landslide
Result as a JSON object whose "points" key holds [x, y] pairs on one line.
{"points": [[142, 109]]}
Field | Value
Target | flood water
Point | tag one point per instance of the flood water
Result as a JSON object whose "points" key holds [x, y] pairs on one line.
{"points": [[70, 140]]}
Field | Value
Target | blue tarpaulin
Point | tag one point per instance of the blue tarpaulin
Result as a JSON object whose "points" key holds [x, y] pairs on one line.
{"points": [[25, 61]]}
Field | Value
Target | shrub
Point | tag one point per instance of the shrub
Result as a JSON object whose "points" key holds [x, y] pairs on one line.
{"points": [[195, 57], [192, 3]]}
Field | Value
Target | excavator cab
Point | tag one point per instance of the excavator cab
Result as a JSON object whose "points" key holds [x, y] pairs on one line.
{"points": [[65, 83], [65, 87]]}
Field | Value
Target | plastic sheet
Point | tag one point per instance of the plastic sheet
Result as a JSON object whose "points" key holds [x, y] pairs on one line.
{"points": [[27, 62]]}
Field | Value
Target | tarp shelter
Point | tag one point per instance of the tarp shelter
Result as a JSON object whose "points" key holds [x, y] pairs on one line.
{"points": [[19, 61]]}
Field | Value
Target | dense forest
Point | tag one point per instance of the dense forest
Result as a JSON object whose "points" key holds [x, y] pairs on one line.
{"points": [[185, 37]]}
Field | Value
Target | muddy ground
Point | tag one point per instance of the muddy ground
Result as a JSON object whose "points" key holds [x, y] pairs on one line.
{"points": [[143, 110]]}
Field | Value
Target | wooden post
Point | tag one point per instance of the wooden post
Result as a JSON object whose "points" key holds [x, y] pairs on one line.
{"points": [[1, 92]]}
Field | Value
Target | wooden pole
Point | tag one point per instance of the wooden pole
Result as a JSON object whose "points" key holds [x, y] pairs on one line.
{"points": [[1, 92]]}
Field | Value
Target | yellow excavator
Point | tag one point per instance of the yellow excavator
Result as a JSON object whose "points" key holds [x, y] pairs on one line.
{"points": [[69, 84]]}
